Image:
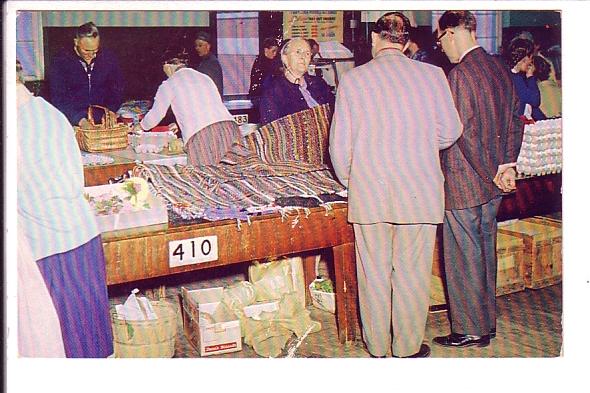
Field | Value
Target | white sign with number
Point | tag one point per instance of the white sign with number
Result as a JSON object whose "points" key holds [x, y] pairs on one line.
{"points": [[192, 251], [241, 119]]}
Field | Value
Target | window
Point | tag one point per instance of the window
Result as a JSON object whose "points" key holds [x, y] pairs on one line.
{"points": [[489, 28], [29, 44], [237, 48]]}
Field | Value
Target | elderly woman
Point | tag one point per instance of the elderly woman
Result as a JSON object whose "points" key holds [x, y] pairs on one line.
{"points": [[519, 59], [295, 90], [208, 129]]}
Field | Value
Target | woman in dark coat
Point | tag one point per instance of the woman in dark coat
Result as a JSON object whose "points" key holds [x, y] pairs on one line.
{"points": [[264, 67], [295, 90]]}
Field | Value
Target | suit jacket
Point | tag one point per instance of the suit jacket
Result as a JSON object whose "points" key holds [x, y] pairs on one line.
{"points": [[492, 130], [392, 117], [72, 90]]}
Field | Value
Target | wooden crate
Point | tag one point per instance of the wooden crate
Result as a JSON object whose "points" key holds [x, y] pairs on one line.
{"points": [[542, 250], [510, 272]]}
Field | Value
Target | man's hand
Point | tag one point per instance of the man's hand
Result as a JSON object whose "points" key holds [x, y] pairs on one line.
{"points": [[84, 123], [505, 179]]}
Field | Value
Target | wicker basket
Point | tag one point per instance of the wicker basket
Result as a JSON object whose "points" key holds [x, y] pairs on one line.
{"points": [[106, 136], [146, 339]]}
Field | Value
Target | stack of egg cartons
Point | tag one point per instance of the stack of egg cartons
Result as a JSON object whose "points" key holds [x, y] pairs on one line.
{"points": [[540, 153]]}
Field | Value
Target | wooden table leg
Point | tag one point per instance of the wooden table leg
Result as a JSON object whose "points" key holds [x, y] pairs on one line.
{"points": [[346, 291], [308, 274]]}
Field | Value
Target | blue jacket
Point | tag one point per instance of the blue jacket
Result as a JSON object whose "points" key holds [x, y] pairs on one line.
{"points": [[281, 97], [529, 93], [72, 90]]}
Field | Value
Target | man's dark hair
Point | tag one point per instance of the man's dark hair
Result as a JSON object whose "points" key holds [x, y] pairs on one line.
{"points": [[542, 68], [393, 27], [518, 49], [269, 43], [451, 19], [203, 36], [88, 29]]}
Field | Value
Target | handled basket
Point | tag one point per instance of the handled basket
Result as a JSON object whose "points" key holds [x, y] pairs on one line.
{"points": [[106, 136]]}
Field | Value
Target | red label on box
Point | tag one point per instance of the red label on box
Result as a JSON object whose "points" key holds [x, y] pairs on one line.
{"points": [[221, 347]]}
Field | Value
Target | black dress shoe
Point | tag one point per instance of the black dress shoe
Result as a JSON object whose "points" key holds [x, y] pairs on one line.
{"points": [[424, 352], [492, 333], [457, 340]]}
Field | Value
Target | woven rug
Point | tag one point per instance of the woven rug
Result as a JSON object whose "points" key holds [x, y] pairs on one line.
{"points": [[241, 185], [301, 136]]}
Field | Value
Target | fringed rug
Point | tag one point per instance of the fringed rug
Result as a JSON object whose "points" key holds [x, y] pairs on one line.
{"points": [[242, 185]]}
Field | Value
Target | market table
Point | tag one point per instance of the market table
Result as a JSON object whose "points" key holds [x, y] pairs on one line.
{"points": [[123, 161], [144, 252]]}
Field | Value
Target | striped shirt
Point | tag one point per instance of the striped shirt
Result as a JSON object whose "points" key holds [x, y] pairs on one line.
{"points": [[50, 189], [195, 101]]}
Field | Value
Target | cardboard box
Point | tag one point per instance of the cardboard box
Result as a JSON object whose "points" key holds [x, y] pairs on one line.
{"points": [[542, 250], [156, 213], [206, 337], [323, 300]]}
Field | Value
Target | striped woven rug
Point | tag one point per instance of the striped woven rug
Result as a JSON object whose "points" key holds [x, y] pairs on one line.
{"points": [[301, 136], [241, 184]]}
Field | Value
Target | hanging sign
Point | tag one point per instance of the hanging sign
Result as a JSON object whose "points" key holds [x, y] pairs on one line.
{"points": [[319, 25]]}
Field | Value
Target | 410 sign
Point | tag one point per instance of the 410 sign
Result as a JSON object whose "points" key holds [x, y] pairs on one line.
{"points": [[192, 251]]}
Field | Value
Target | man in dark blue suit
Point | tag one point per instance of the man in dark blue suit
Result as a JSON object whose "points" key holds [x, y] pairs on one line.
{"points": [[85, 75]]}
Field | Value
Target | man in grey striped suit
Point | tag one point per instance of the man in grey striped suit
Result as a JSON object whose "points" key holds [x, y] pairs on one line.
{"points": [[392, 117], [477, 168]]}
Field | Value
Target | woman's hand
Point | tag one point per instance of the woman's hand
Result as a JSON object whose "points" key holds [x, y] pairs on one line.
{"points": [[530, 71]]}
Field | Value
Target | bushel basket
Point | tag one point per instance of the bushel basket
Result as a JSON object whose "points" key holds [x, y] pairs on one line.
{"points": [[106, 136], [146, 339]]}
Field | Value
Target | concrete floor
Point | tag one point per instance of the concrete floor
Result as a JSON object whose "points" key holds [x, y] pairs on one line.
{"points": [[528, 325]]}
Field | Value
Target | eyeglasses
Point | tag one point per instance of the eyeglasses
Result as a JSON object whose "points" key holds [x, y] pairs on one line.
{"points": [[441, 36]]}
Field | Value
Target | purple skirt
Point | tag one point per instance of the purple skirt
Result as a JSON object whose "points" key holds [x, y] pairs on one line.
{"points": [[76, 281]]}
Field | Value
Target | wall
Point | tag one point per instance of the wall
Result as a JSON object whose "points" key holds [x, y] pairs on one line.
{"points": [[126, 18]]}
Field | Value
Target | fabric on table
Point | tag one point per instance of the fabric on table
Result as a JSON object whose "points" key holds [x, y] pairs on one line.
{"points": [[76, 280], [242, 181], [209, 145], [301, 136]]}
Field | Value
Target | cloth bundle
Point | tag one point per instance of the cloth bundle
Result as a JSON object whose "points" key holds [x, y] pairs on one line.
{"points": [[269, 333]]}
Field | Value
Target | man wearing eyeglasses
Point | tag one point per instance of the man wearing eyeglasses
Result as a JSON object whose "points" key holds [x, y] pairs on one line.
{"points": [[392, 117], [477, 169], [85, 75]]}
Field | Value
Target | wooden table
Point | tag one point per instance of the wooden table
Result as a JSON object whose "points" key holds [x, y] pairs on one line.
{"points": [[142, 253], [123, 161]]}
